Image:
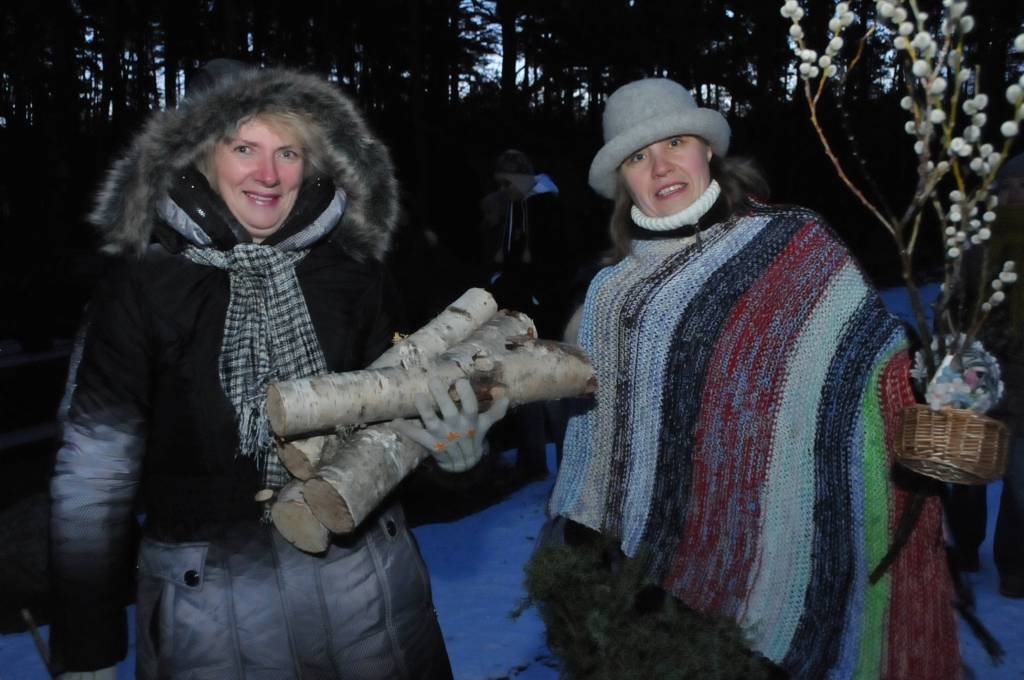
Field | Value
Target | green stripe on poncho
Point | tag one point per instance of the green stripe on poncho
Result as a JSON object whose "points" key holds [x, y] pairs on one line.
{"points": [[748, 384]]}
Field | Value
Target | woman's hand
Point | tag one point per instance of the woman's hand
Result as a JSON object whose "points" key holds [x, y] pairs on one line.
{"points": [[457, 439]]}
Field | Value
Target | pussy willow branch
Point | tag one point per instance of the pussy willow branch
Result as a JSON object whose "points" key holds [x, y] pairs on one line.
{"points": [[978, 314], [860, 51], [928, 181], [907, 264], [844, 119], [914, 231], [924, 189], [813, 109], [954, 111], [942, 304], [895, 230]]}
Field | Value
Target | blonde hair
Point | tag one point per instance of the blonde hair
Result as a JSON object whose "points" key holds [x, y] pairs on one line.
{"points": [[308, 135]]}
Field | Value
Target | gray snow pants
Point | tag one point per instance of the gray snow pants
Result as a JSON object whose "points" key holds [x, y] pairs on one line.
{"points": [[248, 605]]}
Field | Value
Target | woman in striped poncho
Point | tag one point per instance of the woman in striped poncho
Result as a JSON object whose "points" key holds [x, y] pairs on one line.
{"points": [[750, 381]]}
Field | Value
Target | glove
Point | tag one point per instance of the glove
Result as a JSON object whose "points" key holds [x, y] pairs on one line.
{"points": [[456, 439], [108, 673]]}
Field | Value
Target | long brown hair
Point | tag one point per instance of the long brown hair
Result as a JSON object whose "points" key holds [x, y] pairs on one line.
{"points": [[740, 179]]}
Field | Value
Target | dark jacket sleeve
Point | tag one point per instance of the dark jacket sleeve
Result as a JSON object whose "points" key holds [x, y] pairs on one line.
{"points": [[382, 314], [95, 481]]}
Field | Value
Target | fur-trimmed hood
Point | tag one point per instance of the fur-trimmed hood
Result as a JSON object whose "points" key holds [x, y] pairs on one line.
{"points": [[356, 161]]}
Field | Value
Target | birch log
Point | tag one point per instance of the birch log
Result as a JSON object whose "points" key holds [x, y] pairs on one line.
{"points": [[296, 522], [470, 311], [320, 403], [450, 327], [348, 487], [371, 464], [351, 476], [301, 457]]}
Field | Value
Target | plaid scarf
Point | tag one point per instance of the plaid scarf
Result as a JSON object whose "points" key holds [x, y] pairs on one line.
{"points": [[268, 336]]}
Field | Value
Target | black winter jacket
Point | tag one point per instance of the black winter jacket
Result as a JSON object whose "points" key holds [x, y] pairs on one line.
{"points": [[152, 352]]}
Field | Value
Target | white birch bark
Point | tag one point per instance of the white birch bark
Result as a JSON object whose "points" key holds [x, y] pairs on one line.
{"points": [[320, 403], [347, 487], [346, 477], [368, 468], [296, 522], [452, 326], [302, 457], [471, 310]]}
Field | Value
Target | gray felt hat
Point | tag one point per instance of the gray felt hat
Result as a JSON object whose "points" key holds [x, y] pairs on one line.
{"points": [[643, 112]]}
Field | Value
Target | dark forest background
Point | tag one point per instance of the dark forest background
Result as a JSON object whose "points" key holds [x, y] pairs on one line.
{"points": [[448, 84]]}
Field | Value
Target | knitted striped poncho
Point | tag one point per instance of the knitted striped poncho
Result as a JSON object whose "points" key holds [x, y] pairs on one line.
{"points": [[749, 389]]}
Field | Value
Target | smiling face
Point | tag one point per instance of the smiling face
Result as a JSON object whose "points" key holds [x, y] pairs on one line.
{"points": [[667, 176], [258, 173]]}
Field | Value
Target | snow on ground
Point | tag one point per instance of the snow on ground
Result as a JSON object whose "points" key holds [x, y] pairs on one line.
{"points": [[1003, 617], [476, 567]]}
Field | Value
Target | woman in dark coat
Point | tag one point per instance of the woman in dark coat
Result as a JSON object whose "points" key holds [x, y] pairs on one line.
{"points": [[252, 220]]}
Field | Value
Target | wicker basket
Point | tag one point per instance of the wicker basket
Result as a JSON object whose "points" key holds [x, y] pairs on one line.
{"points": [[953, 445]]}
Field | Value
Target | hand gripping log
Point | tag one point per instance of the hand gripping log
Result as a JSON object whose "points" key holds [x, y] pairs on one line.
{"points": [[501, 358], [453, 325], [302, 456]]}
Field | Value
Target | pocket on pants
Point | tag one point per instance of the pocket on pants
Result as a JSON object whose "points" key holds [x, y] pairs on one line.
{"points": [[171, 577], [377, 603], [153, 634]]}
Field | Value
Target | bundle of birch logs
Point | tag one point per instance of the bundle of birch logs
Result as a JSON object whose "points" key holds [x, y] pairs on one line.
{"points": [[335, 432]]}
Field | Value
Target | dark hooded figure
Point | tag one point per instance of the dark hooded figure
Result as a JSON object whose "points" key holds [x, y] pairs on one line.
{"points": [[252, 221]]}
